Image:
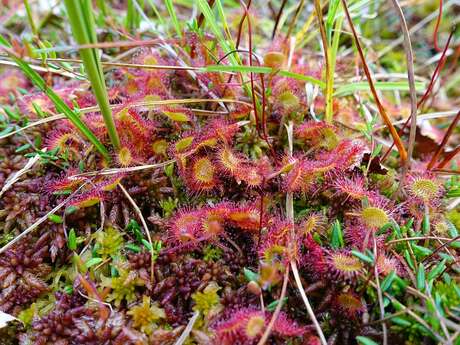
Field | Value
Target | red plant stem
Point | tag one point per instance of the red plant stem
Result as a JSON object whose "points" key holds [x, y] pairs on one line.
{"points": [[443, 143], [256, 114], [436, 72], [446, 171], [449, 157], [436, 28], [434, 77], [278, 17], [383, 113]]}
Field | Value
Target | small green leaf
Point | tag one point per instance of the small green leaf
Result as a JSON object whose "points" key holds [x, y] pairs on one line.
{"points": [[362, 256], [93, 261], [386, 283], [421, 251], [426, 223], [337, 235], [55, 218], [437, 270], [72, 240], [400, 321], [133, 248], [272, 306], [365, 340], [250, 275], [22, 148], [147, 244], [421, 277]]}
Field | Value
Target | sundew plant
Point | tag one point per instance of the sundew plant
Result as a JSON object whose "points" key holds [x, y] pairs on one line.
{"points": [[229, 172]]}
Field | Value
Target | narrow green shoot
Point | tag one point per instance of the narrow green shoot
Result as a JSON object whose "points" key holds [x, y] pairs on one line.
{"points": [[157, 13], [172, 13], [334, 45], [81, 20], [33, 27], [60, 105], [133, 19]]}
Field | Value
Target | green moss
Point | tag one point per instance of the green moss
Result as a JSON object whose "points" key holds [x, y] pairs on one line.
{"points": [[211, 253], [146, 315], [110, 241], [207, 300], [123, 287]]}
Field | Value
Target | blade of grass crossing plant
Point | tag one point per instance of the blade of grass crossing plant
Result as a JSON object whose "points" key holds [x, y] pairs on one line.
{"points": [[83, 27], [264, 70], [211, 21], [347, 89], [172, 13], [60, 105], [221, 12]]}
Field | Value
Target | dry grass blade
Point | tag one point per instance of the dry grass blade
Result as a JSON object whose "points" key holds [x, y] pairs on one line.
{"points": [[293, 264], [39, 221], [277, 311], [13, 178], [183, 337], [144, 225], [383, 113], [449, 157]]}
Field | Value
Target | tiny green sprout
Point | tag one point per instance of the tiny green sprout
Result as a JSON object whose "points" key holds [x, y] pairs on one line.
{"points": [[93, 262], [72, 240], [132, 247], [55, 218], [135, 228], [169, 170], [272, 306], [212, 253], [250, 275], [207, 300], [22, 148]]}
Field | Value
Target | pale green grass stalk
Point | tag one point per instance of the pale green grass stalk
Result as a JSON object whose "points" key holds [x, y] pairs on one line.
{"points": [[81, 20], [30, 18], [172, 13], [333, 27]]}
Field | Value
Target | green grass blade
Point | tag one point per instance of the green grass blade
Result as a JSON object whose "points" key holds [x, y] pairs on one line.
{"points": [[172, 13], [263, 70], [344, 90], [81, 20], [157, 13]]}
